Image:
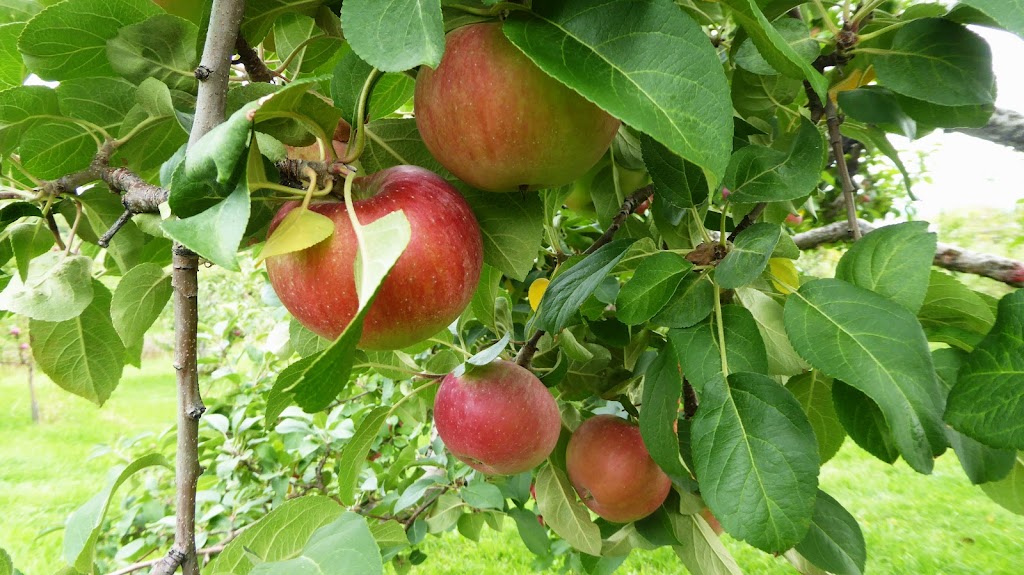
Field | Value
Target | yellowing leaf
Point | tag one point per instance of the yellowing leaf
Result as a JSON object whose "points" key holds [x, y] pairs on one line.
{"points": [[537, 289], [300, 229], [784, 275], [854, 79]]}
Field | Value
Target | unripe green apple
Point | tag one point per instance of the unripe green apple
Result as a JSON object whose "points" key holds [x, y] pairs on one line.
{"points": [[429, 286], [499, 123], [612, 470], [498, 418]]}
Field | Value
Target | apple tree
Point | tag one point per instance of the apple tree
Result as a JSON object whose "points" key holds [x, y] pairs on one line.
{"points": [[569, 223]]}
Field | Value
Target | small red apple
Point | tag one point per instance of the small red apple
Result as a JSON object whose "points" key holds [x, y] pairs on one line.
{"points": [[712, 520], [794, 219], [612, 470], [499, 123], [498, 418], [430, 285]]}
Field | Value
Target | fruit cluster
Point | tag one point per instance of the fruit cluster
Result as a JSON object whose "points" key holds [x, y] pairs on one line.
{"points": [[500, 124]]}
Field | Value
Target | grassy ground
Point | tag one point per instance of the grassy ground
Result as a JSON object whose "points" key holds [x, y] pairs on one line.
{"points": [[938, 524]]}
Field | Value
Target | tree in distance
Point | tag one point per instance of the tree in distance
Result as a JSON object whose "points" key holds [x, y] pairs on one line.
{"points": [[612, 470], [430, 285], [499, 123], [497, 418]]}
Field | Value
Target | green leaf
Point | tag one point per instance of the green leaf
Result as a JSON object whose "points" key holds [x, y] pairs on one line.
{"points": [[607, 55], [758, 173], [814, 393], [487, 292], [102, 209], [530, 530], [663, 388], [954, 314], [864, 422], [12, 67], [395, 35], [512, 227], [446, 512], [782, 358], [52, 148], [260, 15], [879, 106], [21, 108], [876, 138], [353, 456], [1009, 491], [651, 288], [892, 261], [793, 32], [701, 549], [931, 115], [749, 255], [938, 61], [693, 301], [1010, 15], [677, 182], [343, 547], [774, 47], [877, 346], [138, 301], [299, 229], [571, 288], [390, 537], [278, 535], [564, 513], [297, 36], [987, 402], [701, 353], [85, 524], [162, 47], [83, 355], [69, 39], [482, 495], [392, 142], [6, 565], [756, 460], [215, 233], [29, 240], [58, 288], [389, 93], [102, 101], [161, 135], [981, 463], [835, 542]]}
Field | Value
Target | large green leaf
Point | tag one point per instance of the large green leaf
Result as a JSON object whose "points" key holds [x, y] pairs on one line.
{"points": [[216, 232], [512, 226], [389, 93], [987, 402], [652, 286], [298, 37], [954, 314], [877, 346], [344, 547], [571, 288], [1009, 13], [54, 147], [161, 47], [813, 391], [138, 301], [879, 106], [354, 454], [693, 301], [84, 355], [58, 288], [395, 35], [782, 358], [564, 513], [892, 261], [85, 524], [864, 422], [701, 351], [280, 534], [701, 549], [981, 463], [159, 131], [794, 32], [756, 460], [938, 61], [834, 542], [677, 182], [608, 52], [12, 67], [69, 39], [1009, 491], [21, 108], [663, 388], [749, 255], [758, 173], [260, 15]]}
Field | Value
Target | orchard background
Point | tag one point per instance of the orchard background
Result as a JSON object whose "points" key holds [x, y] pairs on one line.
{"points": [[666, 284]]}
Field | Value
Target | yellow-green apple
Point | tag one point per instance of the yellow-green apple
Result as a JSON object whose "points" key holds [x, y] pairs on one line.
{"points": [[498, 418], [499, 123], [429, 286], [612, 470]]}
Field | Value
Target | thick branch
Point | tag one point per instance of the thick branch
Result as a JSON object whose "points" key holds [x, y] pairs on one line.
{"points": [[950, 257], [215, 67], [255, 67], [1005, 128]]}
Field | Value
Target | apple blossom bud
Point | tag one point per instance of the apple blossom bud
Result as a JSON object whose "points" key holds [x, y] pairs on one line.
{"points": [[24, 347], [15, 332], [725, 192]]}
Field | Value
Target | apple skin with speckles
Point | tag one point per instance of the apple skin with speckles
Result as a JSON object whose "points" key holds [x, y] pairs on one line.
{"points": [[499, 123], [613, 472], [429, 287], [498, 418]]}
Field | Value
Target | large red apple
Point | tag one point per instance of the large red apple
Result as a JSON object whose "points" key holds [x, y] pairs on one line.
{"points": [[428, 288], [612, 470], [498, 418], [499, 123]]}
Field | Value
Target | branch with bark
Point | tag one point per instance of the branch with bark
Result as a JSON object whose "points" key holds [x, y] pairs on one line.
{"points": [[1005, 128], [947, 256]]}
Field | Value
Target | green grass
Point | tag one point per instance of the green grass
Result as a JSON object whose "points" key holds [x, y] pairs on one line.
{"points": [[938, 524]]}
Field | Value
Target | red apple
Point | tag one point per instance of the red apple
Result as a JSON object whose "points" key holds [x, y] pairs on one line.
{"points": [[712, 520], [498, 418], [794, 219], [612, 470], [428, 288], [499, 123]]}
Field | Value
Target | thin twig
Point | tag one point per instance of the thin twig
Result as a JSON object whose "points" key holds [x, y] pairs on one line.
{"points": [[255, 67], [747, 220], [836, 139], [123, 219], [408, 521], [52, 224]]}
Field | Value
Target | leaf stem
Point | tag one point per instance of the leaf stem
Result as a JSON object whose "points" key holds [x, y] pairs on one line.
{"points": [[827, 18], [721, 331], [359, 120], [74, 227]]}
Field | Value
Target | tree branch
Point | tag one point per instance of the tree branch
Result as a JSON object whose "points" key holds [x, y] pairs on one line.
{"points": [[205, 552], [254, 66], [213, 72], [1005, 128], [748, 220], [836, 139], [947, 256]]}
